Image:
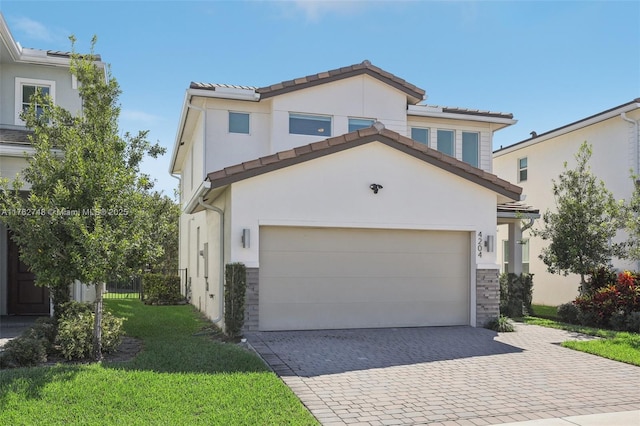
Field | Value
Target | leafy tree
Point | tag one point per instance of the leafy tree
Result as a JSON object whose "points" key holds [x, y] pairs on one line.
{"points": [[587, 217], [87, 214], [632, 221], [166, 232]]}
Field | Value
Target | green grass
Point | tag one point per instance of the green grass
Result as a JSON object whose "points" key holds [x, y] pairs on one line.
{"points": [[181, 377], [616, 345], [543, 311]]}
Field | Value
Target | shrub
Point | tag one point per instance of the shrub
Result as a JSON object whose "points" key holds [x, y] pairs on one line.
{"points": [[500, 324], [23, 352], [597, 308], [234, 294], [633, 322], [599, 278], [515, 294], [618, 321], [568, 312], [161, 289], [43, 329], [75, 332]]}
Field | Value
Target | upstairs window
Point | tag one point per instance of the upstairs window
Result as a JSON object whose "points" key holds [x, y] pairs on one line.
{"points": [[239, 122], [359, 123], [420, 134], [315, 125], [26, 88], [522, 169], [445, 142], [470, 148]]}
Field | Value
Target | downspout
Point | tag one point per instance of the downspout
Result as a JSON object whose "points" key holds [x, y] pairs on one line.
{"points": [[221, 280], [623, 115], [528, 225], [204, 136]]}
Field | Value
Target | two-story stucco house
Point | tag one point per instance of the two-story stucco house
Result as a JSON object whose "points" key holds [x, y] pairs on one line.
{"points": [[351, 202], [534, 162], [22, 72]]}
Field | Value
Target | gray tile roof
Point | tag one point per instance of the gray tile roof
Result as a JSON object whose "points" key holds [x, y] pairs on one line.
{"points": [[375, 133], [214, 86]]}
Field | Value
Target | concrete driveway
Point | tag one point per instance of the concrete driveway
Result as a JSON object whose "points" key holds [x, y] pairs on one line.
{"points": [[445, 375]]}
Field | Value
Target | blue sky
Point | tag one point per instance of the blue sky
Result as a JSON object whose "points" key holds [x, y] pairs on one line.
{"points": [[547, 62]]}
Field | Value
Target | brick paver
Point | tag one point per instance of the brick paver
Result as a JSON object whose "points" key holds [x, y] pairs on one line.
{"points": [[445, 375]]}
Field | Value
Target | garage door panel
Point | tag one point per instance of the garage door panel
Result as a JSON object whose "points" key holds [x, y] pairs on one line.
{"points": [[357, 315], [314, 278], [358, 264], [337, 289]]}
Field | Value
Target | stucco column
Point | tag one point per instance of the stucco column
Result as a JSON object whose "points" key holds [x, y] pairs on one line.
{"points": [[515, 248]]}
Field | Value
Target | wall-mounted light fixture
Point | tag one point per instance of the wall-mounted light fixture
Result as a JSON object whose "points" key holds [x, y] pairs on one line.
{"points": [[489, 243], [246, 238], [375, 187]]}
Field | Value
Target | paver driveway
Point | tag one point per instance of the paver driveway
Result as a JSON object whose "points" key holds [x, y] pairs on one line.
{"points": [[445, 375]]}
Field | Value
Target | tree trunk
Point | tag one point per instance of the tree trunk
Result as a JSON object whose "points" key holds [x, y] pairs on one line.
{"points": [[97, 325]]}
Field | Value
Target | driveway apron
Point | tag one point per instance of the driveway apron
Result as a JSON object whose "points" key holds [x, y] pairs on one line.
{"points": [[445, 375]]}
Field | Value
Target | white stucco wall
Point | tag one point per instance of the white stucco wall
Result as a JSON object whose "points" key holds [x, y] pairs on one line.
{"points": [[65, 95], [4, 268], [10, 167], [333, 191], [356, 97], [614, 154]]}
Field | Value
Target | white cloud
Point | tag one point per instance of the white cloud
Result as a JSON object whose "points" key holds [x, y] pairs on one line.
{"points": [[138, 116], [35, 30], [314, 10]]}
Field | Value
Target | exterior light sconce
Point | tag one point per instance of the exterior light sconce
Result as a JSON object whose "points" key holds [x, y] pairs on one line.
{"points": [[375, 187], [246, 238], [489, 243]]}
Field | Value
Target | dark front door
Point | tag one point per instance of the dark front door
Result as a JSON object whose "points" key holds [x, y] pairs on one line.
{"points": [[25, 298]]}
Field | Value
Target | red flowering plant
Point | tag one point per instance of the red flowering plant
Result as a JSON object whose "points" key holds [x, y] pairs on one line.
{"points": [[622, 298]]}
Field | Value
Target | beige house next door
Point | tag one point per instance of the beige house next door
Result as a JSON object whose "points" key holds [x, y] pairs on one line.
{"points": [[315, 278]]}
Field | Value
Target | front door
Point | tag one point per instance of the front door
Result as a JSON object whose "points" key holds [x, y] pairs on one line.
{"points": [[25, 298]]}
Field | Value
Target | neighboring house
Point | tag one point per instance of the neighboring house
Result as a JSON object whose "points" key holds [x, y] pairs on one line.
{"points": [[22, 72], [351, 204], [534, 162]]}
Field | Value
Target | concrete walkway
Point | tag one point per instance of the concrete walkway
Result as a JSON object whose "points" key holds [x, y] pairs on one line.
{"points": [[13, 326], [458, 376]]}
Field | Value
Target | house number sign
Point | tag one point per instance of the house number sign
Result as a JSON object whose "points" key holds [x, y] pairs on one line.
{"points": [[479, 244]]}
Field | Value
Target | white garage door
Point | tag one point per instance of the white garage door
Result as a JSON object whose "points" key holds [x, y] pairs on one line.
{"points": [[314, 278]]}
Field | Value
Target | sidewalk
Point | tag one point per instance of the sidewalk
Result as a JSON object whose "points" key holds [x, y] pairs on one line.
{"points": [[625, 418], [13, 326]]}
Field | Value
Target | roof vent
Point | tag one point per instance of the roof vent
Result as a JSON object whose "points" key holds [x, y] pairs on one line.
{"points": [[366, 63], [379, 126]]}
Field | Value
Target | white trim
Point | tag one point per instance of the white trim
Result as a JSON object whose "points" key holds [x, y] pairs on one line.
{"points": [[17, 150], [20, 82], [520, 169], [365, 225], [417, 110]]}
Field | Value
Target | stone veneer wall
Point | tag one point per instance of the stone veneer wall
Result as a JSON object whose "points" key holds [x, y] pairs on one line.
{"points": [[487, 295], [251, 301]]}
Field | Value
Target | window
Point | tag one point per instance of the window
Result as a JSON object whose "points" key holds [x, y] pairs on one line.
{"points": [[522, 169], [316, 125], [505, 256], [238, 122], [445, 142], [25, 89], [420, 135], [359, 123], [470, 148]]}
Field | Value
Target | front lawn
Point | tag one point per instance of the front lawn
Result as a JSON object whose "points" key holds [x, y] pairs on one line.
{"points": [[181, 377], [617, 345]]}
